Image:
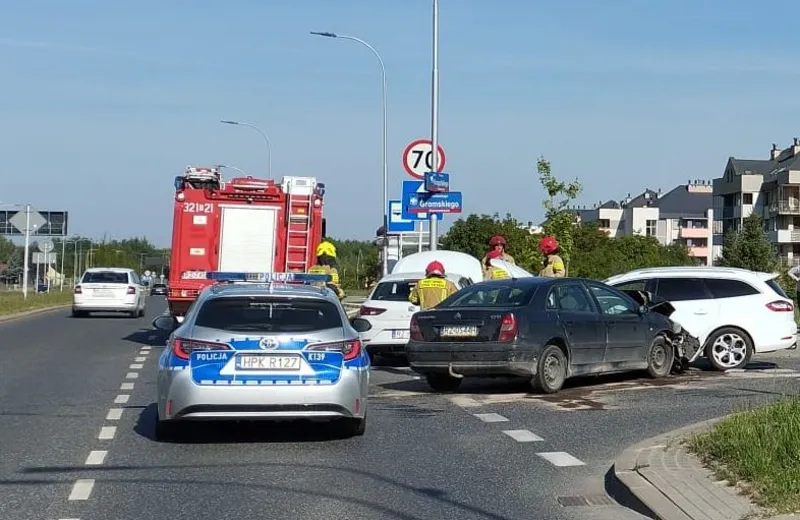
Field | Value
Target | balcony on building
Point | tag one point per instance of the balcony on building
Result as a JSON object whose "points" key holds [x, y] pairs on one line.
{"points": [[693, 228], [698, 251], [784, 236]]}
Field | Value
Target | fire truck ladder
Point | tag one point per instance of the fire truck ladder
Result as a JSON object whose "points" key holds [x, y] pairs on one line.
{"points": [[299, 219]]}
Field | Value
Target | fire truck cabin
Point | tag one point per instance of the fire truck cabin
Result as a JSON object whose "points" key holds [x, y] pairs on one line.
{"points": [[244, 224]]}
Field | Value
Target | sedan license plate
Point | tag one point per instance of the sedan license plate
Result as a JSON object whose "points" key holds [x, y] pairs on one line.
{"points": [[401, 334], [458, 331], [102, 293], [257, 362]]}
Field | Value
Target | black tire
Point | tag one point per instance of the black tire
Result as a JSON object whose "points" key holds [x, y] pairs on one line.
{"points": [[79, 314], [443, 382], [660, 358], [729, 336], [141, 312], [551, 371], [353, 427], [167, 431]]}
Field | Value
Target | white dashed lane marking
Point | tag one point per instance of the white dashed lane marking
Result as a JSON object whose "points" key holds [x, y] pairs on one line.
{"points": [[490, 417], [122, 398], [523, 435], [96, 457], [82, 489], [140, 359], [114, 414], [136, 366], [131, 375], [126, 386], [107, 432], [561, 459], [464, 401]]}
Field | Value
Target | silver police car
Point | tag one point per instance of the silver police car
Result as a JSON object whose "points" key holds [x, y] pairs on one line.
{"points": [[262, 346]]}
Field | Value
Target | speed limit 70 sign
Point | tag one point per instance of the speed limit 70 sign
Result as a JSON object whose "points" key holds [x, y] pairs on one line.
{"points": [[418, 158]]}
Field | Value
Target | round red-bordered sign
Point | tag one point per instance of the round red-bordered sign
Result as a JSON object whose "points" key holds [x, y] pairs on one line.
{"points": [[418, 158]]}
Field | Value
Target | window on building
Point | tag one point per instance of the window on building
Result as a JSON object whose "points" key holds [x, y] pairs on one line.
{"points": [[604, 223], [650, 228], [747, 198]]}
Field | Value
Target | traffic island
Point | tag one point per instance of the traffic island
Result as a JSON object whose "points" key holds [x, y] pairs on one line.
{"points": [[676, 476], [14, 305]]}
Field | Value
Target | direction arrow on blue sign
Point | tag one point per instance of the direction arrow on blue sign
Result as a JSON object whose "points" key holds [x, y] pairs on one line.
{"points": [[397, 224], [450, 202]]}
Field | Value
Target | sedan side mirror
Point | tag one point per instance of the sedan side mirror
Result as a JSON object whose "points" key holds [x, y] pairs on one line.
{"points": [[643, 309], [165, 323]]}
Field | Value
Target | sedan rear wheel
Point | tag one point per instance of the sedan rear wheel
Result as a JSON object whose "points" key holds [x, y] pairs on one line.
{"points": [[551, 372], [660, 358]]}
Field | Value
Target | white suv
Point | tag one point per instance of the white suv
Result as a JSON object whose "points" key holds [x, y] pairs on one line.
{"points": [[734, 313]]}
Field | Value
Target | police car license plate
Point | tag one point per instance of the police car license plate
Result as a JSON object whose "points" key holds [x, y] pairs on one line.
{"points": [[267, 362], [401, 334], [458, 331]]}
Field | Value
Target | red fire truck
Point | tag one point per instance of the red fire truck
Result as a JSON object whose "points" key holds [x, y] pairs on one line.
{"points": [[244, 225]]}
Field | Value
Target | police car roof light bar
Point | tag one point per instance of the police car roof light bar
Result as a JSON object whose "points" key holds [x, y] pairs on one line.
{"points": [[304, 278]]}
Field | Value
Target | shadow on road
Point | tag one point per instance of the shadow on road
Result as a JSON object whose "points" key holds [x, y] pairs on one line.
{"points": [[149, 337], [616, 490], [235, 432]]}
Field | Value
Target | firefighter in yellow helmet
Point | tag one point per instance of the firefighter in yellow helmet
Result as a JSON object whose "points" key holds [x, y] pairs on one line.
{"points": [[433, 289], [326, 264], [553, 264]]}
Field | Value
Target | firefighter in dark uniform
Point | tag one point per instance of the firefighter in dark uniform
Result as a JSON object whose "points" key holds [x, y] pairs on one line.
{"points": [[553, 265], [326, 264], [433, 289]]}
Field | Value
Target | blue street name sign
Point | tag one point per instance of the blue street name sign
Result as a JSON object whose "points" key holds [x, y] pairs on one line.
{"points": [[450, 202], [437, 182]]}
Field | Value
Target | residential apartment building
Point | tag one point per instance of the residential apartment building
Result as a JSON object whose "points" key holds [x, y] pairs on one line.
{"points": [[683, 215], [769, 187]]}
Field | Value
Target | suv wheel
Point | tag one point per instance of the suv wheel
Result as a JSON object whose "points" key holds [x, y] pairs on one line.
{"points": [[729, 348]]}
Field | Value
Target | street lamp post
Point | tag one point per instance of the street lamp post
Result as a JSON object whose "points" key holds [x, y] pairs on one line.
{"points": [[385, 209], [263, 134], [434, 229], [232, 168]]}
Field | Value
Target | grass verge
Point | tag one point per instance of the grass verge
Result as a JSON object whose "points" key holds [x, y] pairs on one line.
{"points": [[760, 450], [12, 302]]}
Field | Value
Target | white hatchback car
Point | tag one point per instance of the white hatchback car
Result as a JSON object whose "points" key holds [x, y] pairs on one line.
{"points": [[109, 289], [734, 313], [385, 316]]}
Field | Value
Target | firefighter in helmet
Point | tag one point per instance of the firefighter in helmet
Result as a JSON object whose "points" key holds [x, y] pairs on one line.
{"points": [[326, 264], [553, 265], [496, 243], [433, 289], [491, 272]]}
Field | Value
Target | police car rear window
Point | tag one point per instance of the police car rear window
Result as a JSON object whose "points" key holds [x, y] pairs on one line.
{"points": [[267, 314], [394, 291], [105, 277]]}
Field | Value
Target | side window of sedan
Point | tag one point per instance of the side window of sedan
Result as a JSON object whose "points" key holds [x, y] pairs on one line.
{"points": [[611, 303], [570, 298]]}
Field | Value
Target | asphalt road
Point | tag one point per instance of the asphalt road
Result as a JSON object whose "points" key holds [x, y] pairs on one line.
{"points": [[76, 424]]}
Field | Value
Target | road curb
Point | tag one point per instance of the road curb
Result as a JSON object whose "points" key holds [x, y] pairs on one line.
{"points": [[25, 314], [626, 470]]}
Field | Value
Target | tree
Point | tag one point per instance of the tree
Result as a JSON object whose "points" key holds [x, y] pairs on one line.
{"points": [[559, 220], [357, 261], [471, 236], [14, 268], [749, 248], [7, 250]]}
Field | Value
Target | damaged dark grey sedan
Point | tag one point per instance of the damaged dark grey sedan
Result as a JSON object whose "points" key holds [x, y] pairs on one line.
{"points": [[547, 330]]}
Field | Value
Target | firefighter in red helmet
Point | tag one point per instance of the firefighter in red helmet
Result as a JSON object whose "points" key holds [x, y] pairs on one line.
{"points": [[553, 264], [433, 289], [496, 243]]}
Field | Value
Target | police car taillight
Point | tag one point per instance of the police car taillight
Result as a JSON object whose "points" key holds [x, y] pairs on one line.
{"points": [[182, 348], [350, 349]]}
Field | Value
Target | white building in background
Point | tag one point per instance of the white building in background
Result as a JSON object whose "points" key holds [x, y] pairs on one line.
{"points": [[769, 187]]}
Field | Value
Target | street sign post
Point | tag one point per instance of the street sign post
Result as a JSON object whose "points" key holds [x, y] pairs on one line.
{"points": [[398, 224], [434, 203], [27, 222], [45, 246], [418, 158], [437, 182], [410, 188]]}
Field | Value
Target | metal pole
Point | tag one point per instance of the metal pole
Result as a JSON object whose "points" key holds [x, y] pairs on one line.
{"points": [[75, 265], [25, 264], [63, 253], [385, 210], [263, 135], [434, 226]]}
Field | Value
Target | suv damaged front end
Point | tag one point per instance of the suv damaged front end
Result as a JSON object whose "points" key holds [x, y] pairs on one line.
{"points": [[685, 344]]}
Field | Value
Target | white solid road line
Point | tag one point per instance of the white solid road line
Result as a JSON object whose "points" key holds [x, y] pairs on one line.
{"points": [[126, 386], [490, 417], [82, 489], [96, 458], [523, 435], [140, 359], [131, 375], [561, 459], [114, 414], [107, 432], [122, 399], [136, 366]]}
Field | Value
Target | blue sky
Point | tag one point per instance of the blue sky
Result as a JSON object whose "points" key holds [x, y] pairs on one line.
{"points": [[104, 102]]}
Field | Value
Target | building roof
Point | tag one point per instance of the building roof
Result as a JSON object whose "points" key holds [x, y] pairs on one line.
{"points": [[682, 203], [751, 166]]}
